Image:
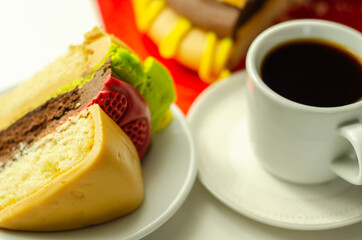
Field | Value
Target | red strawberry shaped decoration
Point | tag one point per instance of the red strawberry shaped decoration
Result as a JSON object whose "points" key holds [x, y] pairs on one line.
{"points": [[127, 107]]}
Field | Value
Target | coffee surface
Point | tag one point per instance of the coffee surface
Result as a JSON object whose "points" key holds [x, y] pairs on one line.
{"points": [[314, 73]]}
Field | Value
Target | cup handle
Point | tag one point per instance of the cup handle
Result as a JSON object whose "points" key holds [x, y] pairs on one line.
{"points": [[347, 167]]}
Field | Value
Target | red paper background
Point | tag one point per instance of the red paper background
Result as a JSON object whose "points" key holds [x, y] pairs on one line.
{"points": [[119, 20]]}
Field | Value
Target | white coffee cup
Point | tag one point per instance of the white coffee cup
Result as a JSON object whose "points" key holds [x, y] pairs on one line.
{"points": [[296, 142]]}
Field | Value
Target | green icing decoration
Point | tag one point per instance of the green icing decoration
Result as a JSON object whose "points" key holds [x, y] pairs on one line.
{"points": [[159, 91], [70, 86], [79, 82], [128, 67], [152, 80]]}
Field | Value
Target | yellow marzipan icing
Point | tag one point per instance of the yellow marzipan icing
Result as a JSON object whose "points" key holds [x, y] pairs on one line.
{"points": [[224, 74], [148, 12], [222, 55], [217, 51], [171, 43], [207, 57], [236, 3]]}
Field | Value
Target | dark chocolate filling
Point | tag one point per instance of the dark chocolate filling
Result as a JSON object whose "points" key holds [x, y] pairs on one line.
{"points": [[43, 120], [215, 16]]}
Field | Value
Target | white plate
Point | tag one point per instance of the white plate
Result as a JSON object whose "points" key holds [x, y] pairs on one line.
{"points": [[169, 171], [229, 169]]}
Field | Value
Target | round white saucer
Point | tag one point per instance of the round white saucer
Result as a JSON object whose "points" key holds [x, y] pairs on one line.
{"points": [[230, 170]]}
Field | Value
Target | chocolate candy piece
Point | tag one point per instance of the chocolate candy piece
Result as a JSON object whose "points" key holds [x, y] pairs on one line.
{"points": [[215, 16]]}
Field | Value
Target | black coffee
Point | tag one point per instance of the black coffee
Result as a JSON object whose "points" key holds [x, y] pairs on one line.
{"points": [[313, 73]]}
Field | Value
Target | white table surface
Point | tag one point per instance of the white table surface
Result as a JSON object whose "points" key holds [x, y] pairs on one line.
{"points": [[35, 32], [204, 217]]}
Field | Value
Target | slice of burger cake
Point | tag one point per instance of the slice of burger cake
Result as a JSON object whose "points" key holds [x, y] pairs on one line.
{"points": [[73, 159]]}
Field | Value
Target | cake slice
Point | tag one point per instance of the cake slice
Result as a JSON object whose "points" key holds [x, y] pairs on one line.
{"points": [[78, 66], [83, 172], [71, 158]]}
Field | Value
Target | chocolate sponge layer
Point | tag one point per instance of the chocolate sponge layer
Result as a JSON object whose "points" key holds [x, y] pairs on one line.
{"points": [[46, 117]]}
